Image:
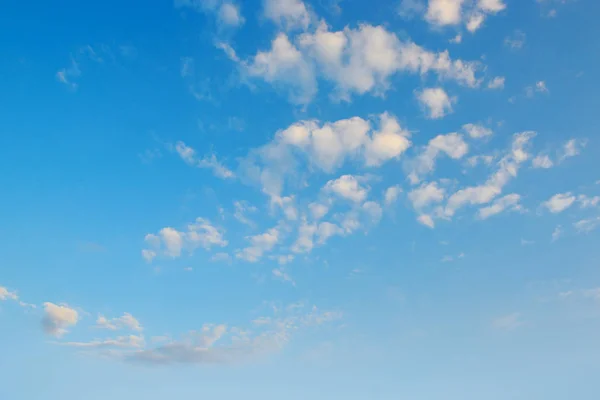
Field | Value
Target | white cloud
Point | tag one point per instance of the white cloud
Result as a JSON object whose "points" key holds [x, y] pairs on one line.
{"points": [[226, 12], [188, 154], [426, 194], [539, 87], [373, 210], [68, 75], [259, 245], [444, 12], [347, 187], [283, 275], [435, 102], [241, 209], [200, 233], [426, 220], [508, 168], [58, 318], [484, 159], [456, 39], [497, 83], [587, 225], [318, 210], [572, 148], [542, 161], [220, 344], [126, 321], [510, 202], [391, 194], [291, 14], [475, 21], [284, 66], [389, 142], [286, 204], [229, 15], [557, 233], [6, 294], [508, 322], [356, 61], [477, 131], [559, 202], [123, 342], [305, 241], [451, 144], [455, 12], [588, 202], [218, 257], [409, 9], [516, 40]]}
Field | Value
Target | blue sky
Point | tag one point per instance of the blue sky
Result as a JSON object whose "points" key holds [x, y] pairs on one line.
{"points": [[285, 199]]}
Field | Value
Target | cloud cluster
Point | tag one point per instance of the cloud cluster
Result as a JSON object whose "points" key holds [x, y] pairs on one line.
{"points": [[324, 147], [354, 60], [171, 242]]}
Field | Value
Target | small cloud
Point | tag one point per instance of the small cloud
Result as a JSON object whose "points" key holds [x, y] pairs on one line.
{"points": [[559, 202], [456, 39], [409, 9], [508, 322], [282, 275], [426, 220], [126, 321], [572, 148], [515, 41], [6, 294], [58, 318], [435, 102], [542, 161], [557, 233], [497, 83]]}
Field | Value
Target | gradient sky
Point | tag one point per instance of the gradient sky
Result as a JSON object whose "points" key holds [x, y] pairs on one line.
{"points": [[278, 199]]}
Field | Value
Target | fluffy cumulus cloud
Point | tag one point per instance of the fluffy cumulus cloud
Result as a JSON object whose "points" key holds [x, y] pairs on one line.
{"points": [[355, 60], [171, 242], [347, 187], [58, 318], [324, 147], [471, 13], [290, 14], [286, 68], [435, 102]]}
